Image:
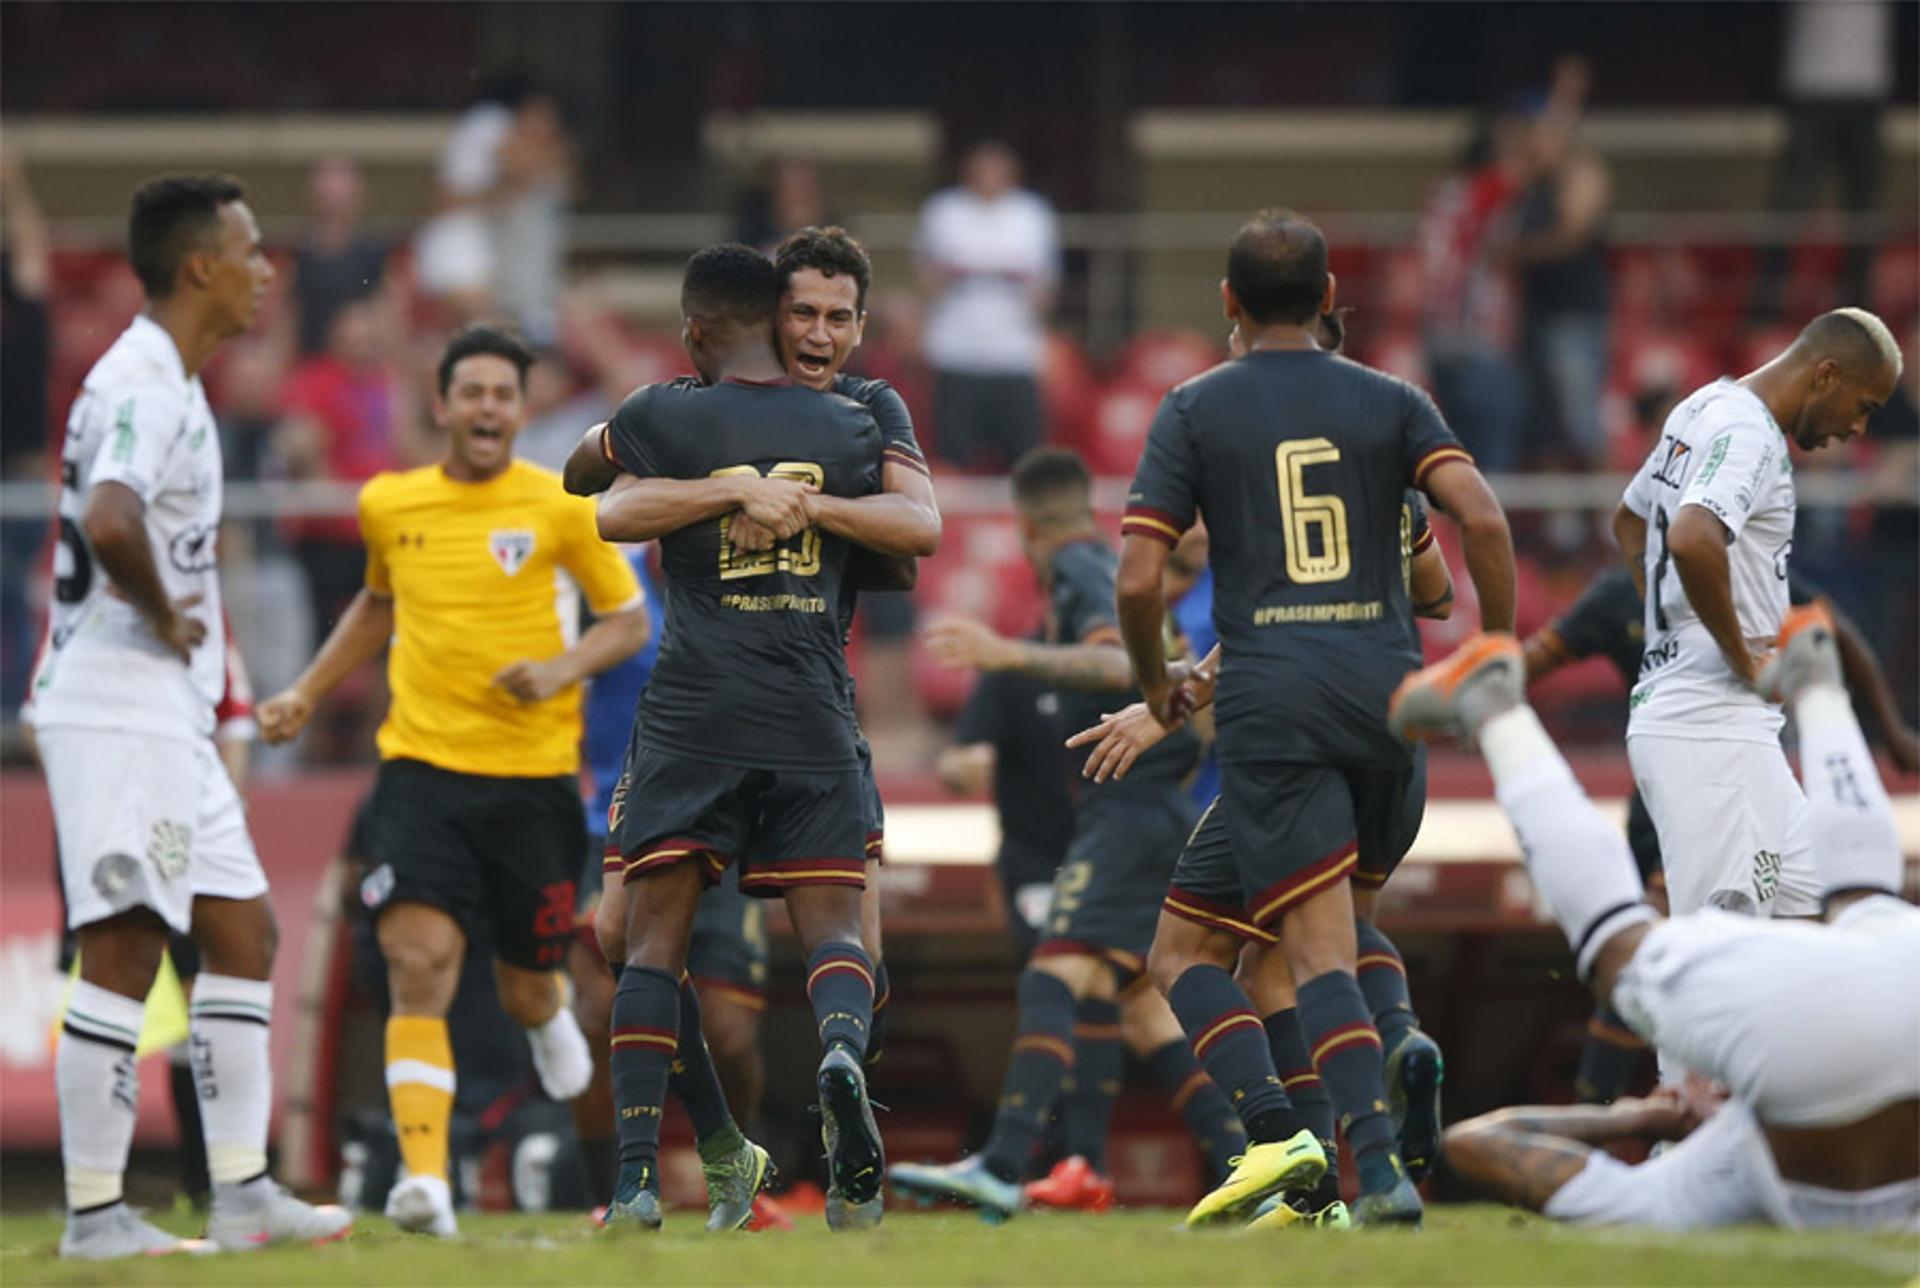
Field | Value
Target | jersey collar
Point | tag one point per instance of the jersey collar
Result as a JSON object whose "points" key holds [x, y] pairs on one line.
{"points": [[778, 382], [152, 339]]}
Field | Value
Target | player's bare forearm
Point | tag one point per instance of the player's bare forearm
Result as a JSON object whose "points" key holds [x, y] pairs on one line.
{"points": [[637, 509], [588, 472], [610, 641], [116, 527], [1430, 584], [1141, 600], [1630, 534], [1514, 1162], [356, 639], [1543, 657], [1697, 542], [1072, 666], [1460, 490], [888, 523]]}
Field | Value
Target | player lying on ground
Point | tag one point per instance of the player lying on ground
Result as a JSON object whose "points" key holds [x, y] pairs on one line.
{"points": [[152, 833], [471, 568], [1812, 1029], [1126, 836]]}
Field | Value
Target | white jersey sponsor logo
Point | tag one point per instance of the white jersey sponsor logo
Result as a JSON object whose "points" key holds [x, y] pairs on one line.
{"points": [[141, 422], [1721, 450]]}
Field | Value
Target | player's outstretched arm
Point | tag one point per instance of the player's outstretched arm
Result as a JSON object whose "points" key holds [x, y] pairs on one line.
{"points": [[1097, 662], [636, 509], [588, 472], [357, 638], [115, 523], [611, 639], [1526, 1154], [902, 519], [1123, 736], [1458, 488], [1697, 542]]}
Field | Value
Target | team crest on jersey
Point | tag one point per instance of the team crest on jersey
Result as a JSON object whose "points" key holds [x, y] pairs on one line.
{"points": [[194, 549], [170, 847], [511, 549], [1676, 458]]}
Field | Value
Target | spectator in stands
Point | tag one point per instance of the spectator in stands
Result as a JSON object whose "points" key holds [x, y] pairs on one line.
{"points": [[337, 261], [249, 407], [1561, 253], [1467, 314], [536, 183], [350, 414], [989, 258], [579, 382], [1836, 75], [455, 259], [789, 201], [26, 274]]}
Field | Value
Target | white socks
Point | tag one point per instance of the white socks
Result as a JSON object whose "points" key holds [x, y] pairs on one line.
{"points": [[1579, 862], [1849, 817], [560, 1055], [99, 1088], [232, 1074]]}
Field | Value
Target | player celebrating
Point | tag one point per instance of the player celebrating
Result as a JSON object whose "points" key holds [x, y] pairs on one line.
{"points": [[1706, 528], [1807, 1140], [152, 833], [1125, 835], [477, 809], [1297, 459], [763, 773]]}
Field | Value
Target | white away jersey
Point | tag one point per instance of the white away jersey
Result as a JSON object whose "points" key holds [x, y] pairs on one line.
{"points": [[1720, 449], [139, 421]]}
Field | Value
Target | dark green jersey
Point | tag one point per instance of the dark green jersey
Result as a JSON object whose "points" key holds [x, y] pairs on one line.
{"points": [[1080, 610], [752, 672], [1299, 460]]}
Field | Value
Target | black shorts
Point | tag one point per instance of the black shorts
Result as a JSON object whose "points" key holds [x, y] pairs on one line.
{"points": [[786, 828], [985, 419], [1106, 896], [506, 850], [1296, 830], [876, 812]]}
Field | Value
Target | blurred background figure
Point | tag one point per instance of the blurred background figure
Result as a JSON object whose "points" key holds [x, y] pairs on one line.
{"points": [[1836, 75], [536, 183], [454, 257], [790, 200], [337, 260], [26, 278], [989, 257], [1560, 250]]}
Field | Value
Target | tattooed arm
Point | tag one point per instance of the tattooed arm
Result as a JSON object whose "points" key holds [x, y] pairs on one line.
{"points": [[1526, 1154], [1097, 662]]}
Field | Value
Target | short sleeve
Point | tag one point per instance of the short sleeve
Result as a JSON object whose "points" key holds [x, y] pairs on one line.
{"points": [[628, 440], [1166, 487], [1606, 609], [983, 718], [602, 571], [1426, 441], [898, 446], [146, 423], [1420, 536], [1083, 597], [1740, 460], [379, 578], [1639, 498]]}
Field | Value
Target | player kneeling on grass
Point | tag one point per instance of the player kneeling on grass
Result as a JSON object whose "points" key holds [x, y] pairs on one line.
{"points": [[1823, 1124], [471, 565]]}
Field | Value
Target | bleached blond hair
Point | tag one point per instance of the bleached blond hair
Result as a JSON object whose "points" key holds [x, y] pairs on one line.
{"points": [[1877, 331]]}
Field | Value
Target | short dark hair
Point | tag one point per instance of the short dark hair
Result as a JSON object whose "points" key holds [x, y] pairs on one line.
{"points": [[173, 216], [480, 337], [732, 283], [1049, 472], [1277, 267], [832, 250]]}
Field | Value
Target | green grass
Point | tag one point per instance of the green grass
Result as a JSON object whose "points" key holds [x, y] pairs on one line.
{"points": [[1461, 1245]]}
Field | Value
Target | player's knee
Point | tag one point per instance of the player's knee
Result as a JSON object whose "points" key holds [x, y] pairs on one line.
{"points": [[610, 928], [530, 998], [236, 937], [1167, 962], [732, 1032]]}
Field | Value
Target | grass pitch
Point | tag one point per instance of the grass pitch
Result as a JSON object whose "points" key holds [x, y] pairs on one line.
{"points": [[1461, 1245]]}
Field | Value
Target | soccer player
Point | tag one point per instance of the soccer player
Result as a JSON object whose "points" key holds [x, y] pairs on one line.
{"points": [[743, 749], [1706, 528], [1823, 1127], [1125, 835], [151, 830], [1298, 460], [472, 565], [1609, 620]]}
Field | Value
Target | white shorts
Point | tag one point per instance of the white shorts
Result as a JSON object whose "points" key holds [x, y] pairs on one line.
{"points": [[1810, 1025], [1723, 1174], [145, 822], [1732, 822]]}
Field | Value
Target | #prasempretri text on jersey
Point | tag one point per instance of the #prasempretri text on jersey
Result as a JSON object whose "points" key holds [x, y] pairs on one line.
{"points": [[1721, 450], [1299, 461], [483, 575], [141, 422], [752, 670]]}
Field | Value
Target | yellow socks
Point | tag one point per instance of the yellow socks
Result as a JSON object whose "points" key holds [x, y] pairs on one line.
{"points": [[420, 1090]]}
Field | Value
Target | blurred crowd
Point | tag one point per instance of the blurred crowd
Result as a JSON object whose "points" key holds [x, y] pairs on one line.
{"points": [[1547, 347]]}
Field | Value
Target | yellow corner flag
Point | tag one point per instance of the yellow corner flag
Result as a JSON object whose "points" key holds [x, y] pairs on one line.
{"points": [[165, 1022]]}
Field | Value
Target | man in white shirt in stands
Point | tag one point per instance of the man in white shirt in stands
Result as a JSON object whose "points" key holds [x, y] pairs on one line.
{"points": [[1706, 528], [153, 837], [989, 256]]}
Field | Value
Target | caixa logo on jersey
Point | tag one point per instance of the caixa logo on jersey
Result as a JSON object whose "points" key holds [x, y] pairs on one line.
{"points": [[195, 549]]}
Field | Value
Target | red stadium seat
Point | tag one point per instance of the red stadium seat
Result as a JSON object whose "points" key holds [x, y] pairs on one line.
{"points": [[1121, 419], [1068, 388], [1162, 359]]}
